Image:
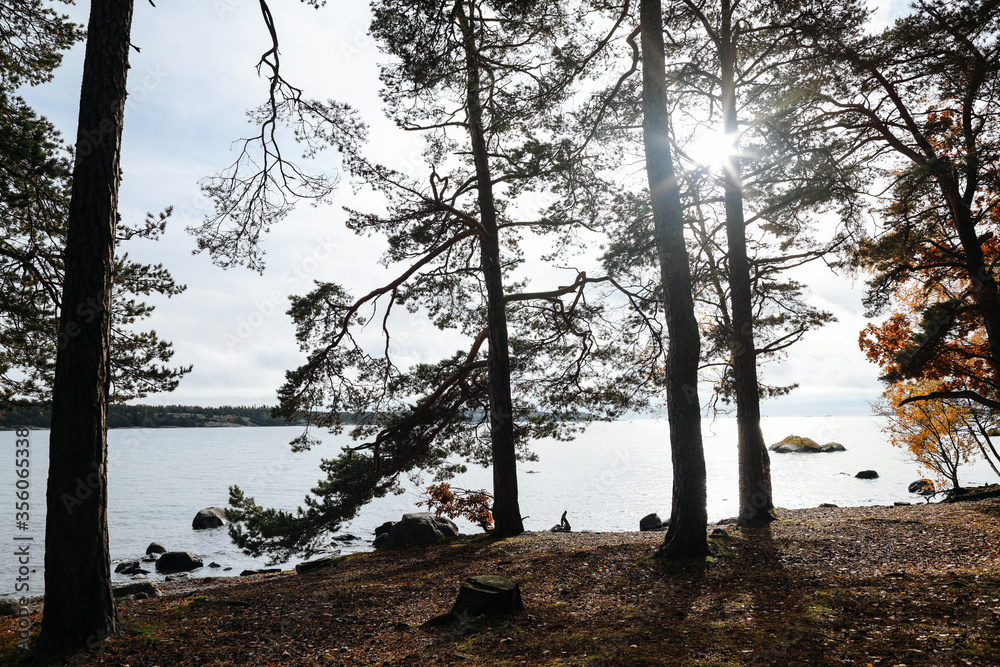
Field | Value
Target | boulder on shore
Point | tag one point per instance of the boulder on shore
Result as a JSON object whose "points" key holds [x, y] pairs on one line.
{"points": [[924, 487], [418, 528], [650, 522], [178, 561], [210, 517], [867, 474], [9, 606], [795, 444], [139, 590]]}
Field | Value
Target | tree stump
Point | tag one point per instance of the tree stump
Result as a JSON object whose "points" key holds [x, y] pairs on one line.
{"points": [[485, 594]]}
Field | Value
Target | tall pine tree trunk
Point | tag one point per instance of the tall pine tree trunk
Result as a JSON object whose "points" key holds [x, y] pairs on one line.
{"points": [[506, 511], [754, 463], [79, 605], [688, 514]]}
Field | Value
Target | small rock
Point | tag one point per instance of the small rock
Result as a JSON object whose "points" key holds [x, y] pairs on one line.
{"points": [[720, 533], [346, 537], [210, 517], [650, 522], [268, 570], [214, 564], [901, 503], [401, 626], [155, 548], [311, 565], [126, 566], [178, 561], [139, 590], [9, 606], [828, 505], [385, 528], [924, 487], [867, 474]]}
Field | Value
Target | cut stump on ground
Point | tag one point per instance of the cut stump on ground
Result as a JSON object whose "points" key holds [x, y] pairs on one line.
{"points": [[481, 595]]}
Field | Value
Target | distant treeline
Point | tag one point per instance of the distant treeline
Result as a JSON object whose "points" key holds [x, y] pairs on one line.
{"points": [[152, 416]]}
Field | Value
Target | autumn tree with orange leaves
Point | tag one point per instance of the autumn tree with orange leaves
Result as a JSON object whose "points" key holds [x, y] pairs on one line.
{"points": [[453, 502], [936, 343], [940, 435], [921, 100], [927, 113]]}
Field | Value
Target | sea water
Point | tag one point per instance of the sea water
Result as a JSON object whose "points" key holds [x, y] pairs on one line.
{"points": [[606, 480]]}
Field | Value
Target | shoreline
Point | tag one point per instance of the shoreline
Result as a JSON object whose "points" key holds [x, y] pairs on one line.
{"points": [[915, 585], [193, 584]]}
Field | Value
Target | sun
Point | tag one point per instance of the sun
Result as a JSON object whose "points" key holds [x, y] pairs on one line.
{"points": [[710, 148]]}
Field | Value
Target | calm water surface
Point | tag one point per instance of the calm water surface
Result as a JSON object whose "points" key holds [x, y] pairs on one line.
{"points": [[610, 477]]}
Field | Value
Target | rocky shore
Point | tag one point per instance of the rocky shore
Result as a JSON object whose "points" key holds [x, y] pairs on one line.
{"points": [[913, 585]]}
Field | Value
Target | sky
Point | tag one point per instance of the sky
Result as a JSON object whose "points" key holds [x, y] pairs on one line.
{"points": [[190, 84]]}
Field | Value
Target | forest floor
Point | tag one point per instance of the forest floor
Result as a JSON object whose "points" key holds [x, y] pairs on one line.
{"points": [[911, 585]]}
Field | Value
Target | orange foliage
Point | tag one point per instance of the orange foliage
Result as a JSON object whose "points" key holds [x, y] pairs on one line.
{"points": [[940, 435], [933, 273], [455, 502]]}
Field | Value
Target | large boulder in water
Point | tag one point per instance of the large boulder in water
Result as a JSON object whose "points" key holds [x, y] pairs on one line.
{"points": [[210, 517], [796, 444], [418, 528], [867, 474], [178, 561]]}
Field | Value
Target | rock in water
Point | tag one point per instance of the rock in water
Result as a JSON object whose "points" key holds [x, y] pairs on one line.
{"points": [[418, 528], [795, 444], [924, 487], [127, 566], [485, 594], [650, 522], [178, 561], [210, 517], [155, 548], [867, 474]]}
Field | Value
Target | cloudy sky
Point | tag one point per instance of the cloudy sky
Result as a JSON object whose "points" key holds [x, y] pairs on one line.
{"points": [[189, 87]]}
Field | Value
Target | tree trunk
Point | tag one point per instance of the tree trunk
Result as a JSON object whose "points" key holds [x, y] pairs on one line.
{"points": [[754, 463], [688, 514], [79, 605], [984, 285], [506, 511]]}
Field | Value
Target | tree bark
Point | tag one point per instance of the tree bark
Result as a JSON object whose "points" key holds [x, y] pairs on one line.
{"points": [[79, 605], [688, 514], [981, 279], [506, 511], [754, 463]]}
